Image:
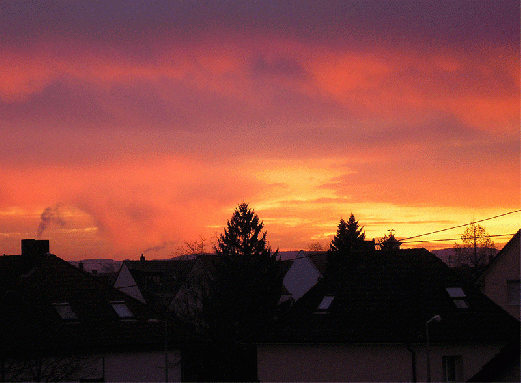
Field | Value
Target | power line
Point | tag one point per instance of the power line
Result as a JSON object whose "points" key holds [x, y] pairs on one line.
{"points": [[463, 225], [457, 239]]}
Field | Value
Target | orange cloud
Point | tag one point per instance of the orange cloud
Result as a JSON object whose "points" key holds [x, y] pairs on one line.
{"points": [[136, 205], [161, 146], [387, 84], [338, 74], [493, 114], [22, 75]]}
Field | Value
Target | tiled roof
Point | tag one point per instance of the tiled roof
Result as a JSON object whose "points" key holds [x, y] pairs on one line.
{"points": [[388, 297], [159, 280], [319, 259], [30, 321], [175, 267]]}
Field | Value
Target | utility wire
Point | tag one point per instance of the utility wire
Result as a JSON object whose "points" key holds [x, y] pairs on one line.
{"points": [[463, 225], [457, 239]]}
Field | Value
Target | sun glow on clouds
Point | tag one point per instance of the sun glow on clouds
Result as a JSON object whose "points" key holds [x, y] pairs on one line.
{"points": [[132, 205], [386, 83], [152, 132], [123, 209]]}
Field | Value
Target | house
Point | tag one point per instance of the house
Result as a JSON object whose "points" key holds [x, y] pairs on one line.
{"points": [[307, 268], [58, 322], [103, 269], [390, 316], [305, 271], [219, 345], [298, 275], [187, 303], [500, 280], [153, 282]]}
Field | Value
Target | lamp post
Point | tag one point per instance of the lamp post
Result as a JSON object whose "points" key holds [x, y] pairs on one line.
{"points": [[165, 351], [435, 318]]}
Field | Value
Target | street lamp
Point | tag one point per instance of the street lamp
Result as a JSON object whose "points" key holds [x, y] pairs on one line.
{"points": [[435, 318], [166, 343]]}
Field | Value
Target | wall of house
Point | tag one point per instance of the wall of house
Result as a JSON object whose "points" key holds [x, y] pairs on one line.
{"points": [[363, 362], [502, 270], [333, 363], [474, 357], [117, 367], [136, 367], [142, 367]]}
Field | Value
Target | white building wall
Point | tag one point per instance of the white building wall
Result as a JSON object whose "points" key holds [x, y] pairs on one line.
{"points": [[363, 363], [142, 367]]}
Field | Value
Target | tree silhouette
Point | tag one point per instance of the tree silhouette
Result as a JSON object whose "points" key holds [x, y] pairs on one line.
{"points": [[240, 300], [349, 236], [389, 242], [315, 246], [348, 240], [190, 249], [245, 287], [243, 238], [477, 249]]}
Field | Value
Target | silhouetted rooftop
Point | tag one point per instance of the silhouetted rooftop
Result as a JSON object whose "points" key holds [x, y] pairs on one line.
{"points": [[50, 305], [388, 297]]}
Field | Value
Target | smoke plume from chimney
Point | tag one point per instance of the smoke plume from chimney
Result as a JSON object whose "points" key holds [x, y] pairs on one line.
{"points": [[50, 215]]}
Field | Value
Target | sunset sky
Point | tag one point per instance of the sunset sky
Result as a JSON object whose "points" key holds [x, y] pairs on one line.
{"points": [[134, 126]]}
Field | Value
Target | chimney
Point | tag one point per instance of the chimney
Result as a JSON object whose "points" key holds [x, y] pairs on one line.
{"points": [[35, 247], [142, 258], [32, 250]]}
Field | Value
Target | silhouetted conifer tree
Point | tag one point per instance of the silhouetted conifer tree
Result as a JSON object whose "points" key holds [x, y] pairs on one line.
{"points": [[349, 236], [241, 300], [246, 286], [349, 239], [243, 239]]}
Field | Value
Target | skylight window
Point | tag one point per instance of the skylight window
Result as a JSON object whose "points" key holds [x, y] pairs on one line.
{"points": [[65, 311], [461, 303], [456, 292], [458, 297], [326, 302], [120, 307]]}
